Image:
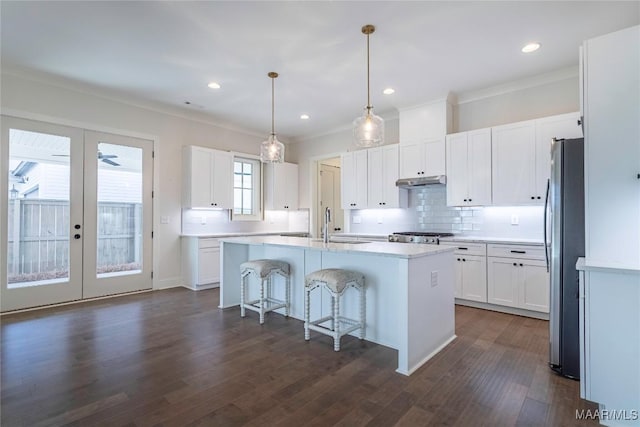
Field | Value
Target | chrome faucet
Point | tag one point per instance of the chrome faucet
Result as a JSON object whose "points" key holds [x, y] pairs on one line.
{"points": [[327, 220]]}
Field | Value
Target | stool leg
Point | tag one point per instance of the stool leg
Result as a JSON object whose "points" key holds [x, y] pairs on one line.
{"points": [[307, 313], [363, 312], [261, 302], [287, 299], [243, 281], [333, 318], [336, 322]]}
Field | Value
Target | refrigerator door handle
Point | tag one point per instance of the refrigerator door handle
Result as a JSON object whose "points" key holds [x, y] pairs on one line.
{"points": [[546, 207]]}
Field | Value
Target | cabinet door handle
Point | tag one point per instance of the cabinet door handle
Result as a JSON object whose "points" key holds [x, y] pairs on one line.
{"points": [[518, 252], [515, 264], [465, 200], [539, 197], [533, 197], [463, 259], [463, 249], [470, 199], [458, 259], [521, 265]]}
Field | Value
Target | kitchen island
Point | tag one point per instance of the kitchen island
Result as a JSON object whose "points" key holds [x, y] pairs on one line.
{"points": [[409, 288]]}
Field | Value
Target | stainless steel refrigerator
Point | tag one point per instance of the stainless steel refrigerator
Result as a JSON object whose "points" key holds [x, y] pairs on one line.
{"points": [[564, 241]]}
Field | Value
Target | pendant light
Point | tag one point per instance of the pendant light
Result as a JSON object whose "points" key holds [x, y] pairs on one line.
{"points": [[272, 150], [368, 129]]}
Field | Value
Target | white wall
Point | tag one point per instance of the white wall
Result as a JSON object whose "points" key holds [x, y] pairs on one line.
{"points": [[32, 97]]}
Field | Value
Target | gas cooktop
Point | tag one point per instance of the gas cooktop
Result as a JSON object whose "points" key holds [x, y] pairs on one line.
{"points": [[432, 237]]}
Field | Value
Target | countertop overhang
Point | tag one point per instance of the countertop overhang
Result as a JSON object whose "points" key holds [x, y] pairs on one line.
{"points": [[374, 248]]}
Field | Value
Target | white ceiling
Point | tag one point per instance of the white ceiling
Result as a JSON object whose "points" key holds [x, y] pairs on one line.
{"points": [[167, 52]]}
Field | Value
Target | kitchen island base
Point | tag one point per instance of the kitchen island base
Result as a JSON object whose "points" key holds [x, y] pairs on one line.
{"points": [[409, 291]]}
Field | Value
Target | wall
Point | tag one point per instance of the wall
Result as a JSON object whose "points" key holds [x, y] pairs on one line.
{"points": [[428, 211], [58, 101]]}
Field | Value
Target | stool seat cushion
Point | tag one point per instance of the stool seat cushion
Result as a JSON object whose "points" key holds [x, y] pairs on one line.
{"points": [[336, 279], [264, 267]]}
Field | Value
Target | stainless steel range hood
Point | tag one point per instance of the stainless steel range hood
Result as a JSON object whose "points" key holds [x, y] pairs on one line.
{"points": [[421, 181]]}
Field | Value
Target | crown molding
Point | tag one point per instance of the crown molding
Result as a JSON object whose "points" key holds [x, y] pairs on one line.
{"points": [[386, 115], [123, 98], [516, 85]]}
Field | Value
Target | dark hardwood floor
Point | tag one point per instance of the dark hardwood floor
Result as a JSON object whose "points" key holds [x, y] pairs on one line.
{"points": [[172, 358]]}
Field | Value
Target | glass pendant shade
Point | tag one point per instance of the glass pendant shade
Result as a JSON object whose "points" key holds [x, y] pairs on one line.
{"points": [[368, 130], [272, 150]]}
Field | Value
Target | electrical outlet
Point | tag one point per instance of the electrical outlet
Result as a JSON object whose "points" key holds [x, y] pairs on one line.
{"points": [[434, 279], [357, 219], [203, 220], [164, 220], [379, 220], [515, 220]]}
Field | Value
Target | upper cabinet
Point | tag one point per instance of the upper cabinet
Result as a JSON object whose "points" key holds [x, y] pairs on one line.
{"points": [[382, 166], [354, 176], [422, 139], [422, 158], [208, 178], [611, 70], [469, 168], [521, 160], [281, 186]]}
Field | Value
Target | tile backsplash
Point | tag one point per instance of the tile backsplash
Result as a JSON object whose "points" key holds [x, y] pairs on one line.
{"points": [[428, 211], [203, 221]]}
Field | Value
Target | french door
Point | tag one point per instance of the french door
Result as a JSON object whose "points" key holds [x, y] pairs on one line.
{"points": [[76, 215]]}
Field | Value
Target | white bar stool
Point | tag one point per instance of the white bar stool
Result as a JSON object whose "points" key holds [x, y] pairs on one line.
{"points": [[264, 269], [336, 281]]}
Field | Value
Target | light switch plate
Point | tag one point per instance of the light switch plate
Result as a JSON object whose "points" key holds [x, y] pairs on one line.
{"points": [[164, 220], [515, 220], [434, 279]]}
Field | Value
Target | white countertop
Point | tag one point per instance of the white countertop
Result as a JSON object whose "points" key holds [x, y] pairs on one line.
{"points": [[489, 239], [379, 248], [239, 233]]}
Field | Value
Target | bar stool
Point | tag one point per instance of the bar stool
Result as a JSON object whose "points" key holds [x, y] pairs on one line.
{"points": [[264, 269], [336, 281]]}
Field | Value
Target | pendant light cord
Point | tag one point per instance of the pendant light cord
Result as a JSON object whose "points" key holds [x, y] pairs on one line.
{"points": [[273, 106], [368, 84]]}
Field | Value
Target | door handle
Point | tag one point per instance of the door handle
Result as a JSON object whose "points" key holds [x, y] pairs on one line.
{"points": [[76, 236]]}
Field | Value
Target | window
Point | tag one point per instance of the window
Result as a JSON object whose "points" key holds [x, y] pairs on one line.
{"points": [[246, 189]]}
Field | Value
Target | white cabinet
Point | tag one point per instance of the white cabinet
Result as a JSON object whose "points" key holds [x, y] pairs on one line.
{"points": [[354, 177], [521, 160], [208, 178], [382, 167], [470, 270], [517, 277], [513, 164], [612, 148], [561, 126], [281, 186], [200, 262], [422, 158], [469, 168]]}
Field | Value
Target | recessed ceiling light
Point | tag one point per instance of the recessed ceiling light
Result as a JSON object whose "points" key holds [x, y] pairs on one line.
{"points": [[388, 91], [304, 117], [214, 85], [531, 47]]}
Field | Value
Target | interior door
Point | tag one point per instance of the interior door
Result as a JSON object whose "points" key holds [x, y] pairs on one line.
{"points": [[117, 214], [41, 173]]}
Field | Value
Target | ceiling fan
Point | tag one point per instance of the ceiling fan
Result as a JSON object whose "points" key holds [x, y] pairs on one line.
{"points": [[106, 158]]}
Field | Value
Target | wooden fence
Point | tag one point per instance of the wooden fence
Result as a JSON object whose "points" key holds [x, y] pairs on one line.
{"points": [[39, 238]]}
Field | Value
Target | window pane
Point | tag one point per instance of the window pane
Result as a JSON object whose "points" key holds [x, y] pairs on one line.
{"points": [[247, 199], [247, 181], [237, 198], [247, 168], [237, 180], [119, 210], [237, 167], [38, 208]]}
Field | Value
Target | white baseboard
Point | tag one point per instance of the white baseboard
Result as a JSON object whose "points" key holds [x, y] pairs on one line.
{"points": [[503, 309], [172, 282], [429, 356]]}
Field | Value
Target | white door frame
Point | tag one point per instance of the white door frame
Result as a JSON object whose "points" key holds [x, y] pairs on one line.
{"points": [[4, 170]]}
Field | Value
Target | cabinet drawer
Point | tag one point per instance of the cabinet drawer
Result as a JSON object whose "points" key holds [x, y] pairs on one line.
{"points": [[516, 251], [463, 248], [208, 243]]}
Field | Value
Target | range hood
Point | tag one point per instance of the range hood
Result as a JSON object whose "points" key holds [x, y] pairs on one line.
{"points": [[421, 181]]}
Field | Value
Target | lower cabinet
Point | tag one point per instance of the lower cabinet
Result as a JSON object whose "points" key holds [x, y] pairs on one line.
{"points": [[517, 282], [470, 264], [201, 262]]}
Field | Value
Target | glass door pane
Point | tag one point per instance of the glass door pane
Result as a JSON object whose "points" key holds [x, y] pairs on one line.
{"points": [[120, 240], [41, 207], [117, 243]]}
